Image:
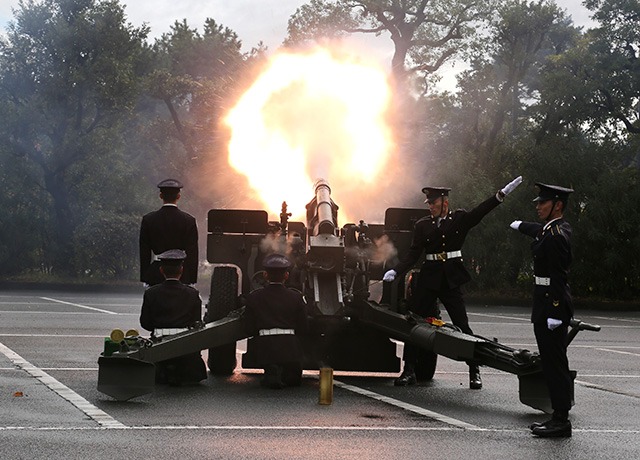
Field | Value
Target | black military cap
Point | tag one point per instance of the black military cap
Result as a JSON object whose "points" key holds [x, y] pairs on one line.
{"points": [[434, 193], [170, 183], [276, 261], [549, 192], [172, 257]]}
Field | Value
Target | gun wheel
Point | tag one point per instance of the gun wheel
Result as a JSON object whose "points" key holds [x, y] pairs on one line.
{"points": [[222, 300]]}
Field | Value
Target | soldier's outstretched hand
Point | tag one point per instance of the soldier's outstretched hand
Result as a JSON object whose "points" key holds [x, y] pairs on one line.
{"points": [[511, 186]]}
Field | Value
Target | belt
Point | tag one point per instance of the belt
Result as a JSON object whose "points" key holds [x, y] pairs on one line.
{"points": [[169, 331], [543, 281], [276, 331], [442, 256]]}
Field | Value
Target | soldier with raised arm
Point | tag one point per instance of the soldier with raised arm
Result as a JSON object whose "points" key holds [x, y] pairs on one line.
{"points": [[552, 304], [441, 236]]}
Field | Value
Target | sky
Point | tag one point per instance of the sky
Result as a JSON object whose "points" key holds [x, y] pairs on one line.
{"points": [[252, 20]]}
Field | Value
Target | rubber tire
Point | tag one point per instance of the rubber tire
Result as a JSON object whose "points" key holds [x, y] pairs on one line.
{"points": [[426, 365], [222, 299]]}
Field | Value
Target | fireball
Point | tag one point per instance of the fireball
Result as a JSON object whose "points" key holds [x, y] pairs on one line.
{"points": [[310, 116]]}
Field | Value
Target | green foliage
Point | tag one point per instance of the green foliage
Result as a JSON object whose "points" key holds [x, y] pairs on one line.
{"points": [[92, 117], [107, 246], [68, 80], [24, 222], [545, 103], [597, 83], [607, 232]]}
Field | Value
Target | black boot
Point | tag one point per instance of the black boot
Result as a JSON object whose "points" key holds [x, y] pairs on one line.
{"points": [[475, 382], [272, 377], [408, 376], [173, 375], [558, 427], [553, 429], [538, 424]]}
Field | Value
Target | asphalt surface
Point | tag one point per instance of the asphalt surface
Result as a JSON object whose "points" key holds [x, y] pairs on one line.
{"points": [[50, 407]]}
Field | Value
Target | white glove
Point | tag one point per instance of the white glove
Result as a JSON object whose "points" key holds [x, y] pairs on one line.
{"points": [[552, 323], [515, 224], [389, 276], [145, 286], [511, 186]]}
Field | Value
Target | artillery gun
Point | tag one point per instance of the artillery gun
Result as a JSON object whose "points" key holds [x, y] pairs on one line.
{"points": [[336, 269]]}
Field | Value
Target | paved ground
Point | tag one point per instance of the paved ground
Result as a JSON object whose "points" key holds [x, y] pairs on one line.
{"points": [[50, 408]]}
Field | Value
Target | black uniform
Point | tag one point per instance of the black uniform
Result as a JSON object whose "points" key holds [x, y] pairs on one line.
{"points": [[443, 277], [173, 304], [551, 249], [162, 230], [272, 308]]}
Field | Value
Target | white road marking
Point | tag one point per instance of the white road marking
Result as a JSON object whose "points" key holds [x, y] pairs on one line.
{"points": [[105, 421], [613, 318], [67, 336], [6, 302], [612, 376], [350, 374], [618, 351], [101, 417], [608, 390], [58, 369], [299, 428], [13, 312], [80, 306], [526, 319], [409, 407]]}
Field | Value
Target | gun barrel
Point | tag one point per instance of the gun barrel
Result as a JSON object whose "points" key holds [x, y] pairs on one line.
{"points": [[324, 208]]}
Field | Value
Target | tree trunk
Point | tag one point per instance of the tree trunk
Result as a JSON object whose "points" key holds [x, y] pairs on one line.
{"points": [[62, 249]]}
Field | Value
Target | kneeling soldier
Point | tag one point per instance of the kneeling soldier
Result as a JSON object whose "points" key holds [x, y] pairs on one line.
{"points": [[274, 316], [170, 308]]}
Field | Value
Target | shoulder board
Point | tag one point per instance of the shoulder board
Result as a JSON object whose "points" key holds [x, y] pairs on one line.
{"points": [[422, 219], [555, 230]]}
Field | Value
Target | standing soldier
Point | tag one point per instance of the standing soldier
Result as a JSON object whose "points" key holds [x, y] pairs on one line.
{"points": [[275, 315], [552, 303], [441, 236], [165, 229]]}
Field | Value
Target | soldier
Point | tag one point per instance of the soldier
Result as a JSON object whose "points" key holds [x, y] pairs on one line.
{"points": [[441, 236], [552, 303], [164, 229], [275, 315], [170, 308]]}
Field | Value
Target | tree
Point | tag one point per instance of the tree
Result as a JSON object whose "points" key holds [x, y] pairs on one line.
{"points": [[425, 33], [197, 76], [496, 91], [193, 75], [597, 82], [68, 79]]}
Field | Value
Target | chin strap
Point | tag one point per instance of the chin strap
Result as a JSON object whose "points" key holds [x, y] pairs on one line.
{"points": [[553, 206]]}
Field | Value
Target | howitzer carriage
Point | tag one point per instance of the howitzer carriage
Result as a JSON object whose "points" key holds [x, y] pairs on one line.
{"points": [[335, 269]]}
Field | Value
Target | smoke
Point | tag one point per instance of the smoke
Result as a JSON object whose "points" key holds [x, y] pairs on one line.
{"points": [[384, 250], [290, 247], [314, 116]]}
